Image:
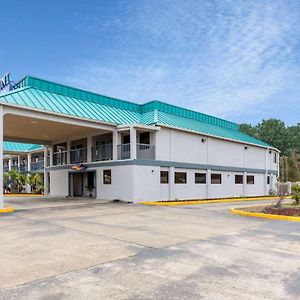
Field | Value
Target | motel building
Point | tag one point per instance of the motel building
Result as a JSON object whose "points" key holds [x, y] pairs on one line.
{"points": [[98, 146]]}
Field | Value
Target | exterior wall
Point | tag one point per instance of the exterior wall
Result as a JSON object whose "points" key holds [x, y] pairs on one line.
{"points": [[141, 181], [121, 186], [59, 183], [181, 146]]}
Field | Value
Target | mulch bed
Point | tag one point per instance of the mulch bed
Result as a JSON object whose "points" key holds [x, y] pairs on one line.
{"points": [[284, 211]]}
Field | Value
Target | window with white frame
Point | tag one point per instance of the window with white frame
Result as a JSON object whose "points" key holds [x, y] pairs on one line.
{"points": [[200, 178]]}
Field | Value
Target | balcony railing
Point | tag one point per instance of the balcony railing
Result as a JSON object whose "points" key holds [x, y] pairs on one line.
{"points": [[123, 151], [59, 158], [23, 168], [14, 167], [102, 152], [37, 165], [145, 151], [5, 168], [78, 155]]}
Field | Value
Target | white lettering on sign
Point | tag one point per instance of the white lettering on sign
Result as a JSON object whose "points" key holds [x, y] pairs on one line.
{"points": [[4, 81]]}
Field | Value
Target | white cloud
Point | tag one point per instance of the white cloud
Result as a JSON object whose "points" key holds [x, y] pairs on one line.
{"points": [[226, 58]]}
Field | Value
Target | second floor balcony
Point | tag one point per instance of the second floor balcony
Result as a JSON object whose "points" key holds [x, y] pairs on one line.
{"points": [[102, 152], [143, 151], [78, 156], [37, 165]]}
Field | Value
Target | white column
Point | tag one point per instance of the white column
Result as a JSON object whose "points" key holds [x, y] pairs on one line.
{"points": [[51, 156], [45, 171], [29, 162], [68, 152], [266, 172], [132, 143], [245, 183], [89, 146], [1, 158], [208, 184], [19, 161], [171, 183], [115, 144], [28, 187], [9, 163]]}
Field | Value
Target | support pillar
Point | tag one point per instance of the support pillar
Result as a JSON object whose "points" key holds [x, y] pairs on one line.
{"points": [[1, 158], [9, 163], [245, 184], [89, 146], [28, 187], [208, 184], [115, 144], [132, 143], [171, 183], [68, 152], [51, 156], [19, 162], [46, 183]]}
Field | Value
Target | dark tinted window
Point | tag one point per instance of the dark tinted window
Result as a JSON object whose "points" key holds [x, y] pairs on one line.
{"points": [[200, 178], [250, 179], [239, 179], [164, 177], [106, 176], [180, 177], [216, 178]]}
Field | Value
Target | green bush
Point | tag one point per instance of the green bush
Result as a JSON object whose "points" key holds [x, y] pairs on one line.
{"points": [[296, 193]]}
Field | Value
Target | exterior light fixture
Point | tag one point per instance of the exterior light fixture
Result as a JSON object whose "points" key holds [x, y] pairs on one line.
{"points": [[203, 140], [246, 148]]}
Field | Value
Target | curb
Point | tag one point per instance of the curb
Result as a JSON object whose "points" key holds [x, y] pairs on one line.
{"points": [[6, 210], [23, 195], [264, 216], [194, 202]]}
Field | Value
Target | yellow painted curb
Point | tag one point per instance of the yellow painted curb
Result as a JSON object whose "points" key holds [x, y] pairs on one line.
{"points": [[6, 210], [23, 195], [264, 216], [194, 202]]}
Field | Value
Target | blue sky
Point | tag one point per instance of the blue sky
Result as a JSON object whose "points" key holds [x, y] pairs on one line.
{"points": [[238, 60]]}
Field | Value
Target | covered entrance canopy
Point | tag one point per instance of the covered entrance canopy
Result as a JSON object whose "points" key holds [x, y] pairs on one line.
{"points": [[18, 124]]}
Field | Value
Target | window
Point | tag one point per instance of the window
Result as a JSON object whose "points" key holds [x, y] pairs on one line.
{"points": [[268, 179], [180, 177], [239, 179], [164, 177], [145, 138], [126, 139], [275, 158], [200, 178], [250, 179], [106, 176], [216, 178]]}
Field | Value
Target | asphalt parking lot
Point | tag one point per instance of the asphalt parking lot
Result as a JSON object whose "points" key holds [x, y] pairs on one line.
{"points": [[88, 249]]}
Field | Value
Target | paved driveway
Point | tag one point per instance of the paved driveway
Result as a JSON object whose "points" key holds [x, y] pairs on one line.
{"points": [[83, 249]]}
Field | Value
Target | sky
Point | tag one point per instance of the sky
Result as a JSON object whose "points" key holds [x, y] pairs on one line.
{"points": [[235, 59]]}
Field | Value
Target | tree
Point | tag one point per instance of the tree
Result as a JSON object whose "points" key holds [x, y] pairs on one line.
{"points": [[248, 129], [274, 132], [286, 139]]}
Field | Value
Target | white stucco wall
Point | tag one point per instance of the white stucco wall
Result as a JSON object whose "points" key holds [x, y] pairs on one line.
{"points": [[182, 146], [121, 187], [59, 183]]}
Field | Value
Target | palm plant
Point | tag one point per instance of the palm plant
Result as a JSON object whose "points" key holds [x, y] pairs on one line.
{"points": [[36, 183]]}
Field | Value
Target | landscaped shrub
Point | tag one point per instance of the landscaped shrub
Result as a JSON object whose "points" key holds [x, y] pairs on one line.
{"points": [[296, 193]]}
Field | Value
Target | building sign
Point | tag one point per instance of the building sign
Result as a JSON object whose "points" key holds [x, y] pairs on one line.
{"points": [[5, 83], [79, 167]]}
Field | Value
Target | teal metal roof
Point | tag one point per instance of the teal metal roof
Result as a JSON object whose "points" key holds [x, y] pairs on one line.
{"points": [[53, 97], [20, 147]]}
